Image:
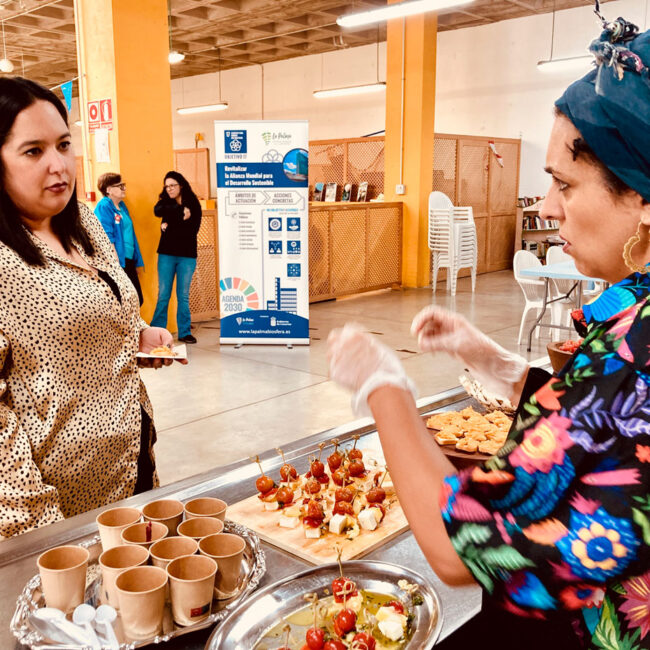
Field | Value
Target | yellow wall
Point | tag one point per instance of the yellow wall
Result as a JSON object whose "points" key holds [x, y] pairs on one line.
{"points": [[123, 49], [419, 112]]}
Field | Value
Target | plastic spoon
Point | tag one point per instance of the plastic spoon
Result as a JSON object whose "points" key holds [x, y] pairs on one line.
{"points": [[50, 616], [106, 616], [84, 615]]}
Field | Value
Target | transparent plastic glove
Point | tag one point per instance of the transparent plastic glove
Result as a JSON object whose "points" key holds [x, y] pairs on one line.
{"points": [[361, 364], [439, 330]]}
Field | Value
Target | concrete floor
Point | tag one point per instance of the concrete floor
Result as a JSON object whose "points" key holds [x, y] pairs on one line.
{"points": [[228, 404]]}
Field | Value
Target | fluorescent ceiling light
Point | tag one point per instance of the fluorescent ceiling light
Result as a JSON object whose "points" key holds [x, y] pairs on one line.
{"points": [[351, 90], [399, 10], [175, 56], [206, 108], [565, 65]]}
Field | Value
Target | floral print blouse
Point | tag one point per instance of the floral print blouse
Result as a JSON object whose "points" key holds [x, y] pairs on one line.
{"points": [[70, 391], [557, 524]]}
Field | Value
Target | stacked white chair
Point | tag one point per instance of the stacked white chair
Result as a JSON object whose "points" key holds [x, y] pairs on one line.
{"points": [[452, 240]]}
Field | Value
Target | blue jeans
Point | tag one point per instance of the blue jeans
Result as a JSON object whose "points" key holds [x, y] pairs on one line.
{"points": [[183, 268]]}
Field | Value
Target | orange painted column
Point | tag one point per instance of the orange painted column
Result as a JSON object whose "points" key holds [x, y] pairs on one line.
{"points": [[413, 152], [122, 48]]}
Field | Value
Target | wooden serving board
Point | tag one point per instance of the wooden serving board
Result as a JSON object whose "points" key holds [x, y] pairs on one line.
{"points": [[250, 512]]}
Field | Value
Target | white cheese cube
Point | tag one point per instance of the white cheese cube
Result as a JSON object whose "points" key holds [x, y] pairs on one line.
{"points": [[338, 524], [289, 522], [273, 505], [367, 519], [312, 533], [391, 629]]}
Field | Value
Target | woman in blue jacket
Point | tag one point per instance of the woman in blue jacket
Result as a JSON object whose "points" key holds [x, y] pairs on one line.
{"points": [[116, 221]]}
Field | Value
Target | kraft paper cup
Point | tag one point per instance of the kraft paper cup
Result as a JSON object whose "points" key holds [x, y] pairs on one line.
{"points": [[206, 507], [169, 548], [112, 522], [63, 576], [115, 561], [227, 551], [191, 587], [199, 527], [141, 595], [166, 511], [144, 534]]}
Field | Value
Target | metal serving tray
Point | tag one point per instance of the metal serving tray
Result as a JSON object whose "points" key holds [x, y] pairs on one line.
{"points": [[253, 569], [247, 624]]}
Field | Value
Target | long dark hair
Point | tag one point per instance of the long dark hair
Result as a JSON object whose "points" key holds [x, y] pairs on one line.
{"points": [[17, 94], [187, 193]]}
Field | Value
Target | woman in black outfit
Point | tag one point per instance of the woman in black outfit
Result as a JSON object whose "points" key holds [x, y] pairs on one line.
{"points": [[180, 214]]}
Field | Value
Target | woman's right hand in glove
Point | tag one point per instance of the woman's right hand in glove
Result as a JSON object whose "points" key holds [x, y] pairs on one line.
{"points": [[500, 371]]}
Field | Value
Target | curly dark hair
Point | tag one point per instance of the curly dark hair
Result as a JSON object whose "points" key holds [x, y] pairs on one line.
{"points": [[17, 94]]}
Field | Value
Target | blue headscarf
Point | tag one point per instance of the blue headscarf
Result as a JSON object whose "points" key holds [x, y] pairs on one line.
{"points": [[610, 106]]}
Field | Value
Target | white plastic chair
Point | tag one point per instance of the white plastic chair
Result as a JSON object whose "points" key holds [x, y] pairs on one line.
{"points": [[532, 289], [452, 240], [561, 308]]}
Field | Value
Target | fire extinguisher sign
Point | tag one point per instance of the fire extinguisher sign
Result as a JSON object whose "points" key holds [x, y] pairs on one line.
{"points": [[100, 114]]}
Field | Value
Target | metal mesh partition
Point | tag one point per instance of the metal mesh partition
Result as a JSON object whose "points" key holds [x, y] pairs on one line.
{"points": [[384, 247], [444, 166], [365, 162], [204, 297], [473, 171], [348, 250], [348, 161], [326, 164], [319, 255]]}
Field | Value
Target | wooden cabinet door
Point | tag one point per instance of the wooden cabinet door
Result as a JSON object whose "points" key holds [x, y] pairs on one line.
{"points": [[194, 164]]}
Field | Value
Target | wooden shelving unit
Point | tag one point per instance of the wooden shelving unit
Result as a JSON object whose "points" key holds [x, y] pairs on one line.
{"points": [[531, 234]]}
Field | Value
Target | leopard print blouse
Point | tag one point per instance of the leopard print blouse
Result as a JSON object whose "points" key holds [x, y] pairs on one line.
{"points": [[70, 391]]}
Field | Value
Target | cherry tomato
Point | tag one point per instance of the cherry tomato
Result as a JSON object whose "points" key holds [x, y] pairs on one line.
{"points": [[315, 510], [312, 486], [357, 468], [317, 469], [364, 638], [376, 495], [269, 496], [334, 460], [288, 472], [344, 494], [343, 586], [285, 496], [340, 476], [344, 621], [334, 645], [264, 484], [343, 508], [396, 605], [324, 479], [355, 454], [315, 638]]}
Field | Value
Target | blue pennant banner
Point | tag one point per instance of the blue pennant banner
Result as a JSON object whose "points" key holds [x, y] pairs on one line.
{"points": [[66, 89]]}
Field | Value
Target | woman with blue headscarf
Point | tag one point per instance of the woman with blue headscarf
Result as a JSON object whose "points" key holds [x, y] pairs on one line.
{"points": [[556, 527]]}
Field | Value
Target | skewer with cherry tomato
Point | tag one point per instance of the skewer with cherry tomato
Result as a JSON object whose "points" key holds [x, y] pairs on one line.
{"points": [[264, 484], [287, 472], [315, 636], [335, 459]]}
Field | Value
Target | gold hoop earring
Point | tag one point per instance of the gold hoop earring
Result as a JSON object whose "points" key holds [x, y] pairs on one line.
{"points": [[627, 252]]}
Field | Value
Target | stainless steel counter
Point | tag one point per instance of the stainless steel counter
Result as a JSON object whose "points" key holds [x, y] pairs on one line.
{"points": [[233, 483]]}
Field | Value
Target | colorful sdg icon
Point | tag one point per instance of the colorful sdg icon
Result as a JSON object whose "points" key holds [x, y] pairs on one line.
{"points": [[238, 294]]}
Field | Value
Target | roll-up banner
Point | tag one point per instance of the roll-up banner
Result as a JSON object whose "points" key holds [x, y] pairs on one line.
{"points": [[262, 201]]}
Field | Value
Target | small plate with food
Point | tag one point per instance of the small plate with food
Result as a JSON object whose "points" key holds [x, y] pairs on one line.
{"points": [[357, 604], [176, 352]]}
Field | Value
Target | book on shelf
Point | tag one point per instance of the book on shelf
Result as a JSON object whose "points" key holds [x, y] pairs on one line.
{"points": [[362, 191], [330, 192], [319, 189], [527, 201], [347, 192], [535, 222]]}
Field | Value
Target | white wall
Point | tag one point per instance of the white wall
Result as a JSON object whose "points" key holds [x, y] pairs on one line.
{"points": [[487, 84]]}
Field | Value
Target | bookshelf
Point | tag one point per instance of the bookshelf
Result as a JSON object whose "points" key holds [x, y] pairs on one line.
{"points": [[534, 233]]}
